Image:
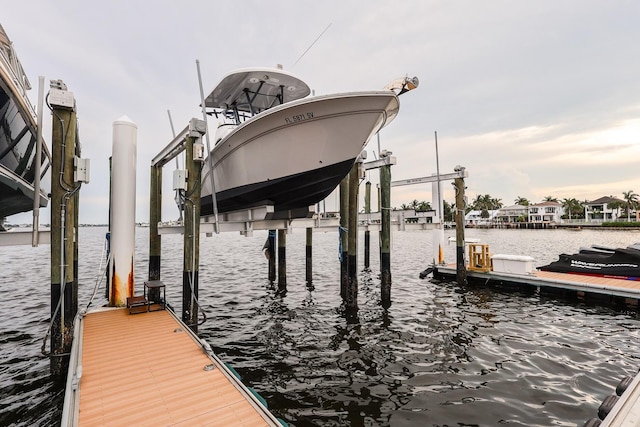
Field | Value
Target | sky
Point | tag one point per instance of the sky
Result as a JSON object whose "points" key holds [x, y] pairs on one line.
{"points": [[534, 99]]}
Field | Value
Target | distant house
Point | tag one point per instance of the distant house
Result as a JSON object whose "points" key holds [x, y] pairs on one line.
{"points": [[512, 213], [599, 210], [474, 218], [546, 212]]}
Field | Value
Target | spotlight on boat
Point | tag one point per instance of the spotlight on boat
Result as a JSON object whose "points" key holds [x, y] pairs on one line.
{"points": [[403, 85]]}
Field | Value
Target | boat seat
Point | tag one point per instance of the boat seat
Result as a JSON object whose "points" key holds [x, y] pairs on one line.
{"points": [[137, 304]]}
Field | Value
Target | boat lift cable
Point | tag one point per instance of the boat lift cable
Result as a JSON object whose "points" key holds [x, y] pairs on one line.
{"points": [[101, 272], [209, 157], [311, 45]]}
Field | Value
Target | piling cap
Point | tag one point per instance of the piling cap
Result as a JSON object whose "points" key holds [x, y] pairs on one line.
{"points": [[124, 120]]}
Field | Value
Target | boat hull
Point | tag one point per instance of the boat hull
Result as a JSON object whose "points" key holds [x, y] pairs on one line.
{"points": [[17, 139], [294, 155]]}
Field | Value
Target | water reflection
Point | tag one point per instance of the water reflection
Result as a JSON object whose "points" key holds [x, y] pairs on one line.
{"points": [[440, 355]]}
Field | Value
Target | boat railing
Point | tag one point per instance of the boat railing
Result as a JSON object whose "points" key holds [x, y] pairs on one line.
{"points": [[13, 67]]}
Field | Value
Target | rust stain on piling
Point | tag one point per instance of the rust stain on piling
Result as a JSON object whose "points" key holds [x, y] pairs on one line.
{"points": [[119, 293], [130, 281]]}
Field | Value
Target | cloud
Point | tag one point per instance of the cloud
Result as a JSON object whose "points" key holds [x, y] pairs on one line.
{"points": [[533, 98]]}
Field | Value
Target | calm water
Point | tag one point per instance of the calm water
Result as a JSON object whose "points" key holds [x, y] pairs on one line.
{"points": [[439, 356]]}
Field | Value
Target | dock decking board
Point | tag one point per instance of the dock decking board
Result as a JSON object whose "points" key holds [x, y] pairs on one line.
{"points": [[145, 369]]}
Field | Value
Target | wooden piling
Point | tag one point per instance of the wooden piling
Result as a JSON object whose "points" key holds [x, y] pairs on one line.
{"points": [[155, 241], [352, 251], [63, 214], [190, 306], [309, 253], [385, 240], [76, 230], [271, 255], [282, 260], [461, 271], [344, 241], [367, 233]]}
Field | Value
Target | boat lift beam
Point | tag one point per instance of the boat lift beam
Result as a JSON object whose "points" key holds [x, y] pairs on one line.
{"points": [[462, 173], [436, 179], [173, 149]]}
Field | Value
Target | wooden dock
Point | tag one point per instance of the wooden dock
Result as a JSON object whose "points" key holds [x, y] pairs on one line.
{"points": [[150, 369], [604, 286]]}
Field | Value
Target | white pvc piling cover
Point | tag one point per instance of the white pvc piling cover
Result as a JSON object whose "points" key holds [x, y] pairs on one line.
{"points": [[123, 210]]}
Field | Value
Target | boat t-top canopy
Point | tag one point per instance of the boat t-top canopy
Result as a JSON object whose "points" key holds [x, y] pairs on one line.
{"points": [[252, 90]]}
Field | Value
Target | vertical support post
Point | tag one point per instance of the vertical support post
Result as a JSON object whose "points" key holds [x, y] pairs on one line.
{"points": [[282, 260], [367, 233], [123, 211], [344, 241], [380, 212], [438, 232], [63, 306], [190, 306], [461, 271], [309, 254], [75, 234], [35, 238], [352, 287], [107, 273], [385, 256], [155, 240], [272, 255]]}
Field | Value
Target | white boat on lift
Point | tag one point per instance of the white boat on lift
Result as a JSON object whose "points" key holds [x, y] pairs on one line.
{"points": [[18, 130], [276, 146]]}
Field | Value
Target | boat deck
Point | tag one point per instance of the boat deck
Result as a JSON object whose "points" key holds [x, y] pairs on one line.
{"points": [[574, 282], [149, 369]]}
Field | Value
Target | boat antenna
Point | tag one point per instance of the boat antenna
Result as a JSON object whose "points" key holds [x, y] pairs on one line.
{"points": [[311, 45]]}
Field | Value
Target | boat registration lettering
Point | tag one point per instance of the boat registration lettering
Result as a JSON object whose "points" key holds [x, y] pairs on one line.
{"points": [[298, 118]]}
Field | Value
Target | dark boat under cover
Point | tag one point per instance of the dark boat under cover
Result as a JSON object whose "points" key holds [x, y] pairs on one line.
{"points": [[17, 138], [622, 263]]}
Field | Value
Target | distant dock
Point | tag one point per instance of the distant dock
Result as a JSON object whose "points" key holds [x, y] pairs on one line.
{"points": [[151, 369]]}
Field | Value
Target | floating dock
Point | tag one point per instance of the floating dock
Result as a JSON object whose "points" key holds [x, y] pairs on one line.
{"points": [[603, 286], [151, 369]]}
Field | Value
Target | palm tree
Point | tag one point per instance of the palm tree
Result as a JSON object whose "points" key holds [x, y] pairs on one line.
{"points": [[571, 205], [522, 201], [485, 201], [617, 205], [423, 207], [632, 201], [550, 199]]}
